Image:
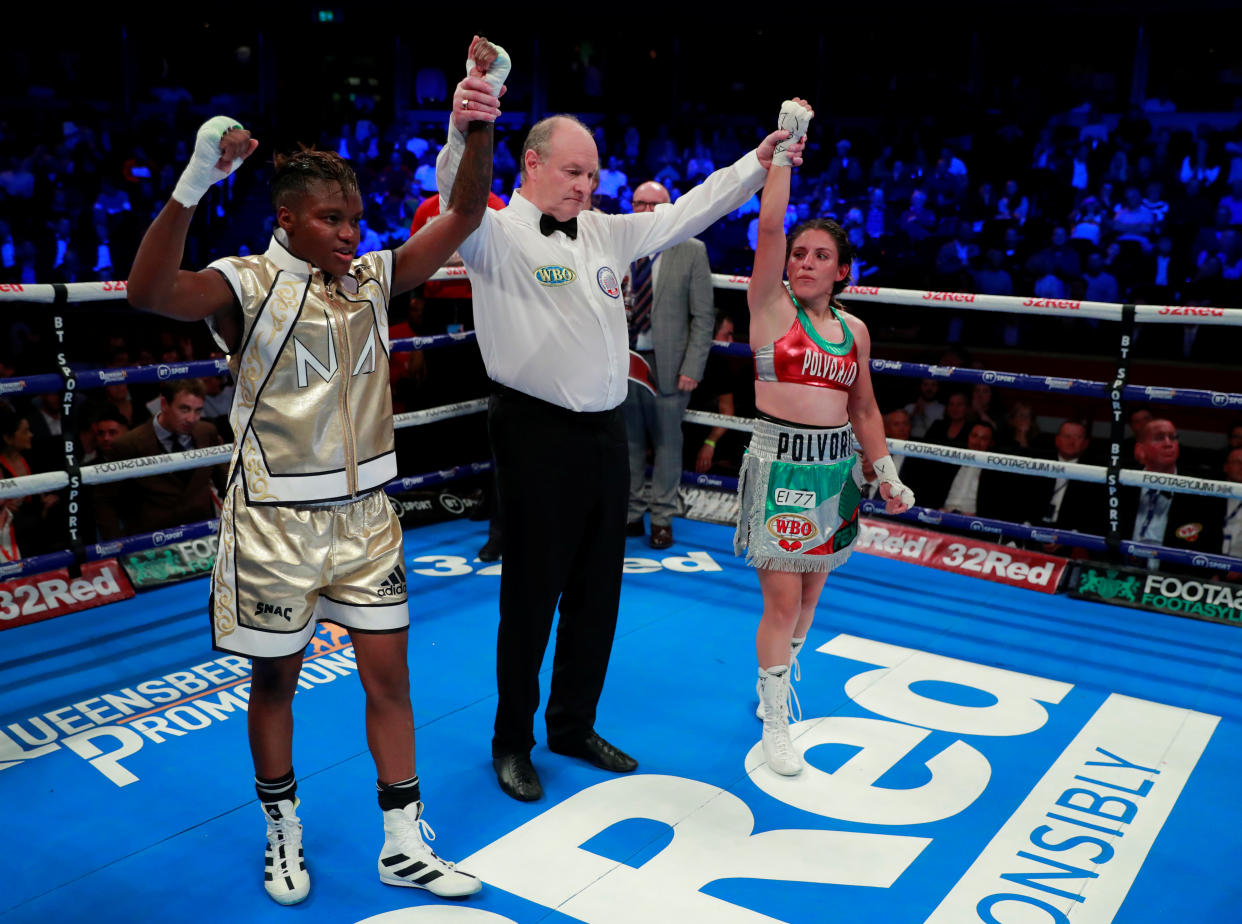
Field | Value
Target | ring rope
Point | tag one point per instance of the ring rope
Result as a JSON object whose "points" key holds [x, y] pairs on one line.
{"points": [[142, 542], [1075, 471], [1184, 397], [1011, 304], [159, 538]]}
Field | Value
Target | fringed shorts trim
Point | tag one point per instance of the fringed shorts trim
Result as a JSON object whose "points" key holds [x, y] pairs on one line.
{"points": [[799, 491]]}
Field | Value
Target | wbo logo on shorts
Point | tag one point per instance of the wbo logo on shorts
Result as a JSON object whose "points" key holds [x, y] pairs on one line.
{"points": [[608, 283], [552, 275], [792, 530]]}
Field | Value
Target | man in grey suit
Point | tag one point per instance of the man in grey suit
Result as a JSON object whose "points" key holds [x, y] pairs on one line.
{"points": [[671, 315]]}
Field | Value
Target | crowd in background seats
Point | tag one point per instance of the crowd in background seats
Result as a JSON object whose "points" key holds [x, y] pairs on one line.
{"points": [[1080, 206]]}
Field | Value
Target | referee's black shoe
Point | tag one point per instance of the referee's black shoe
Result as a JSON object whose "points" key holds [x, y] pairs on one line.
{"points": [[517, 777], [635, 528], [595, 750]]}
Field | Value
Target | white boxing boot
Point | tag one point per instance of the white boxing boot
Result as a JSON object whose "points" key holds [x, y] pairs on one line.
{"points": [[778, 748]]}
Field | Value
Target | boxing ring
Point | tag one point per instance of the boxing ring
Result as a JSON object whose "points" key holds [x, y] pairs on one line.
{"points": [[976, 751]]}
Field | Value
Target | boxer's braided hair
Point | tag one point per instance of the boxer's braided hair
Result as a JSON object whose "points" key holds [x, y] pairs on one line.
{"points": [[296, 172]]}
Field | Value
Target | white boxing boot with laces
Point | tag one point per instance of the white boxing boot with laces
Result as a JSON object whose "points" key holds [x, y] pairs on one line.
{"points": [[795, 676], [778, 747], [406, 860], [284, 871]]}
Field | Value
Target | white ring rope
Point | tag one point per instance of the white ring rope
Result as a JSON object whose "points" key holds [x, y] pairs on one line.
{"points": [[1051, 307], [1074, 471]]}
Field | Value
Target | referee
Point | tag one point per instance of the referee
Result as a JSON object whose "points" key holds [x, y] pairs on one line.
{"points": [[546, 274]]}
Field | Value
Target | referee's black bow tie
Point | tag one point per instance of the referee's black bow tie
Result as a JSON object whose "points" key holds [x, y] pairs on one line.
{"points": [[548, 224]]}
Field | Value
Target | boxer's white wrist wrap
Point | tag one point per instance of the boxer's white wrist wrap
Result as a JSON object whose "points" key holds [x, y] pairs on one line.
{"points": [[794, 119], [496, 72], [886, 473], [201, 172]]}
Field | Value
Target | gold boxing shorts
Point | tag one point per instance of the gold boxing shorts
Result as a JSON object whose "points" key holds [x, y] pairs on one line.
{"points": [[281, 568]]}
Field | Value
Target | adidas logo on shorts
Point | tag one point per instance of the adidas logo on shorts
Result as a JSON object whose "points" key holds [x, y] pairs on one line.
{"points": [[394, 584]]}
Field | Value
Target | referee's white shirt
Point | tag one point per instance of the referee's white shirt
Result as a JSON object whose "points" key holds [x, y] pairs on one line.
{"points": [[549, 314]]}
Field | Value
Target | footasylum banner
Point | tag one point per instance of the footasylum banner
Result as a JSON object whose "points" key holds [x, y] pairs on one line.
{"points": [[171, 563], [1164, 593]]}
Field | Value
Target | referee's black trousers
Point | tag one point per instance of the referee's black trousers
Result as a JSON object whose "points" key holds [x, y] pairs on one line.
{"points": [[564, 486]]}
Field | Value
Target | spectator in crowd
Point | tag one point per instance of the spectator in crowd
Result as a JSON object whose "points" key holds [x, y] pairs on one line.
{"points": [[611, 179], [1235, 435], [930, 479], [141, 505], [17, 440], [727, 388], [953, 428], [670, 314], [918, 222], [217, 400], [117, 396], [1101, 284], [1159, 516], [1133, 221], [9, 550], [1201, 166], [108, 427], [31, 520], [845, 171], [1138, 417], [1022, 436], [1064, 503], [896, 427], [973, 490], [1087, 222], [983, 405], [1231, 202], [992, 278], [47, 449], [1231, 532], [954, 260], [1012, 207], [1162, 275], [1059, 257], [1154, 202], [875, 217], [924, 410]]}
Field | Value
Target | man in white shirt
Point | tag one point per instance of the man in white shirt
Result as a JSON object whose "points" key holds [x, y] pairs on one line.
{"points": [[971, 491], [1064, 503], [546, 274]]}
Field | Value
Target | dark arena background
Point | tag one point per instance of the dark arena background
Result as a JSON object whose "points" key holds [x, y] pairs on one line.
{"points": [[1026, 712]]}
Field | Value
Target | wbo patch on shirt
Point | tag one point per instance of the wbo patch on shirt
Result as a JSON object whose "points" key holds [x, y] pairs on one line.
{"points": [[608, 283], [553, 275], [1189, 532]]}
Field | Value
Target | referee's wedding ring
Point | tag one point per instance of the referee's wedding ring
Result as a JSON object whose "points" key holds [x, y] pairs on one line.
{"points": [[465, 104]]}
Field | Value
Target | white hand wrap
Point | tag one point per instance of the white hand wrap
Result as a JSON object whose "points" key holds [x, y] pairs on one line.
{"points": [[794, 118], [201, 172], [498, 70], [886, 473]]}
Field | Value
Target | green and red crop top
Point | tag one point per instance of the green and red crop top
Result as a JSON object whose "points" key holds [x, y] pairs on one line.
{"points": [[802, 356]]}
